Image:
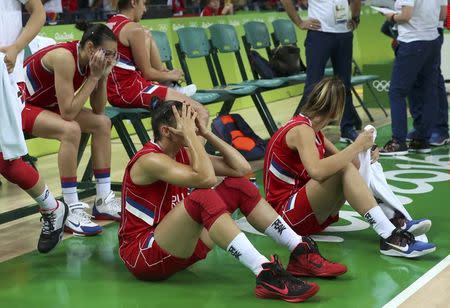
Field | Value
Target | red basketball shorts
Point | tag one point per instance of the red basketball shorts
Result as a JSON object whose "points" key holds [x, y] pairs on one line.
{"points": [[298, 214]]}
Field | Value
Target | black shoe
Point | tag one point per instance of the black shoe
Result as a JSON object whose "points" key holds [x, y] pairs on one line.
{"points": [[393, 147], [274, 282], [401, 243], [52, 227], [419, 146]]}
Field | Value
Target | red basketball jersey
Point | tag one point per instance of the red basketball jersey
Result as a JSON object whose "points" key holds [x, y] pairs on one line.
{"points": [[144, 206], [125, 76], [284, 172], [40, 81]]}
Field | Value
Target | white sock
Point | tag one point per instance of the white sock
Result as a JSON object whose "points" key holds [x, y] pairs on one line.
{"points": [[281, 233], [103, 187], [241, 248], [70, 195], [380, 223], [46, 200]]}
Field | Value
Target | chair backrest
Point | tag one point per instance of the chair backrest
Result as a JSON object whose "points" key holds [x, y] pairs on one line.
{"points": [[193, 42], [163, 45], [257, 34], [224, 38], [284, 32]]}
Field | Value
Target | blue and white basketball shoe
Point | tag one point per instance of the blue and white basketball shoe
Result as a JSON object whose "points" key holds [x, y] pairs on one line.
{"points": [[401, 243]]}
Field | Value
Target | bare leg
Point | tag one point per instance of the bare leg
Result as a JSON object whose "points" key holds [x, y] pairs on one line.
{"points": [[51, 126], [178, 233], [100, 128], [153, 52], [37, 189], [327, 196]]}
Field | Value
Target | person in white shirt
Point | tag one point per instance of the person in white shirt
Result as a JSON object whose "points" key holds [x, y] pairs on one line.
{"points": [[439, 132], [13, 39], [416, 62], [330, 26]]}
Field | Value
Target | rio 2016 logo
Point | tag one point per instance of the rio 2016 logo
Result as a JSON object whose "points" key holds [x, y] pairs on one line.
{"points": [[381, 85]]}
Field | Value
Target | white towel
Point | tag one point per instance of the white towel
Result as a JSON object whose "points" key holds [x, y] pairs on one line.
{"points": [[12, 142], [374, 176]]}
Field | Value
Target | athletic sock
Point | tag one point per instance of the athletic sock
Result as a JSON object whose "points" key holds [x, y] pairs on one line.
{"points": [[379, 222], [69, 189], [281, 233], [103, 182], [46, 200], [241, 248]]}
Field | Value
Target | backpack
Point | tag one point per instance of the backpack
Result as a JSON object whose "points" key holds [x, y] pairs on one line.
{"points": [[285, 61], [260, 65], [235, 131]]}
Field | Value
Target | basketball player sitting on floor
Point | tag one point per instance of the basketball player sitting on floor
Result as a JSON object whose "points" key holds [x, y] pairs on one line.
{"points": [[164, 229]]}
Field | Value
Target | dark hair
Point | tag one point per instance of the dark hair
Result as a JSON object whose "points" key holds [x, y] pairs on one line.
{"points": [[163, 115], [96, 33], [123, 4]]}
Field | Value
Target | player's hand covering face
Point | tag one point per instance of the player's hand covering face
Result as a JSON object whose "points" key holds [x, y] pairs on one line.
{"points": [[185, 122]]}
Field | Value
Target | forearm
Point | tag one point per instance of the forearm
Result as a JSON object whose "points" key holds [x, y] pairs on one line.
{"points": [[31, 29], [230, 155], [79, 99], [404, 16], [331, 165], [152, 74], [292, 13], [98, 97], [201, 164], [355, 7]]}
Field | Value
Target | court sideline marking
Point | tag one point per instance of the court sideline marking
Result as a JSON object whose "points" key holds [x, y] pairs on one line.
{"points": [[418, 284]]}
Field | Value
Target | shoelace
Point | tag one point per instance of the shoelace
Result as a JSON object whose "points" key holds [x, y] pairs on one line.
{"points": [[49, 223], [284, 276], [115, 205], [82, 216], [315, 254]]}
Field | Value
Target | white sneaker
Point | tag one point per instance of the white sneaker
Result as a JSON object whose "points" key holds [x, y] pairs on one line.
{"points": [[79, 222], [52, 227], [107, 208], [188, 90]]}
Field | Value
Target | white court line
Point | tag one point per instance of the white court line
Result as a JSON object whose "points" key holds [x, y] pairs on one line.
{"points": [[419, 283]]}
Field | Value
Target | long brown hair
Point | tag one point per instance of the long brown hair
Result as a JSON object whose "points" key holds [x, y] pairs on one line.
{"points": [[326, 99]]}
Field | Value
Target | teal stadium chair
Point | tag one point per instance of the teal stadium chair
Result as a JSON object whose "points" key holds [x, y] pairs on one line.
{"points": [[194, 43], [166, 56], [284, 34], [224, 40]]}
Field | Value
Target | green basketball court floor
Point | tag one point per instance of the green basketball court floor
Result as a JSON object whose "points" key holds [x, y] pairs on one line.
{"points": [[87, 272]]}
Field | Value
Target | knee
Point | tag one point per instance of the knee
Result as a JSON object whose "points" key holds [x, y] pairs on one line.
{"points": [[247, 194], [103, 124], [205, 206], [71, 132], [19, 172]]}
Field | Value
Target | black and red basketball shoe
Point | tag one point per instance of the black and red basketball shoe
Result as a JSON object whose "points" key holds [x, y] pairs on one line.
{"points": [[306, 260], [274, 282]]}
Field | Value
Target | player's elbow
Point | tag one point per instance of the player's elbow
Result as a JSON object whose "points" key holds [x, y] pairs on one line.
{"points": [[67, 115], [206, 181]]}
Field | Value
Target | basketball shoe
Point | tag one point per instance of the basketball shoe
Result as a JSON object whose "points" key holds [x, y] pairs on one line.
{"points": [[306, 260], [107, 208], [79, 222], [401, 243], [52, 227], [274, 282], [415, 226]]}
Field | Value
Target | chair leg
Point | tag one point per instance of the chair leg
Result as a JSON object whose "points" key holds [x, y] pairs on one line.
{"points": [[363, 105], [264, 113], [226, 107], [124, 137], [140, 130]]}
